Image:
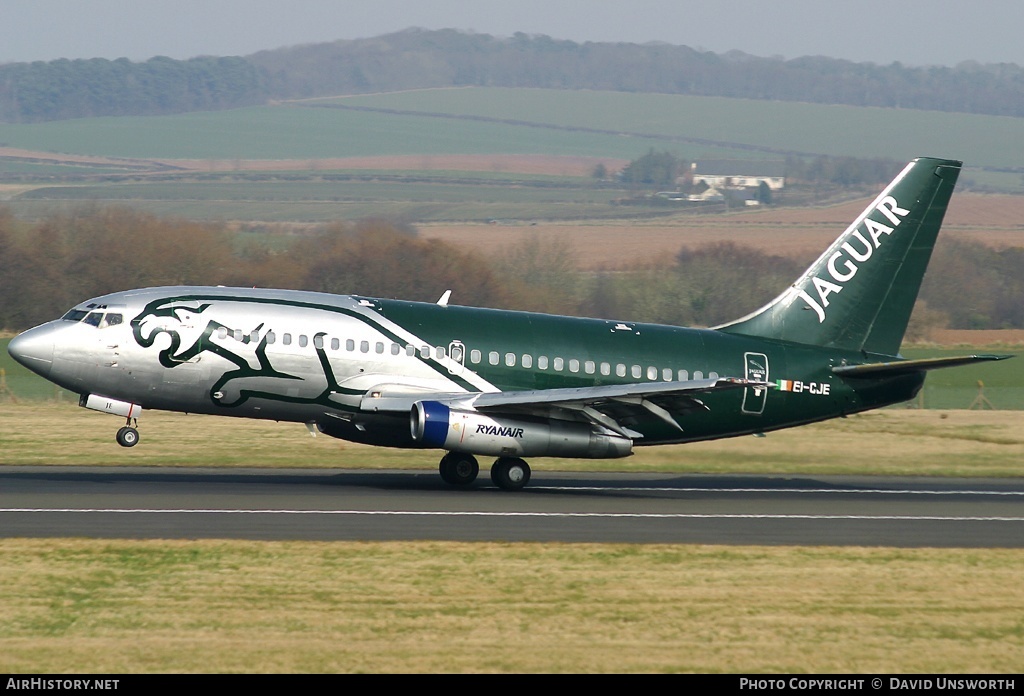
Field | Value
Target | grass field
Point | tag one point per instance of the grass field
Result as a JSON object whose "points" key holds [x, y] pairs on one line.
{"points": [[79, 606], [478, 122], [784, 126], [897, 442], [686, 124], [287, 132], [314, 200]]}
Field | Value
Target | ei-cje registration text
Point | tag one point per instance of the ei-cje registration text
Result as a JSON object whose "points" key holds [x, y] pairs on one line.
{"points": [[48, 684]]}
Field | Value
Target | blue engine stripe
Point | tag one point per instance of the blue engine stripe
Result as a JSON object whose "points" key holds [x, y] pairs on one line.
{"points": [[436, 418]]}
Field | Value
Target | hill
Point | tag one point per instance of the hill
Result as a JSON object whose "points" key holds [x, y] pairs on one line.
{"points": [[416, 59]]}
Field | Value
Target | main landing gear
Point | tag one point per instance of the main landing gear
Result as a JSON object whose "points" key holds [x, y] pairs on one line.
{"points": [[507, 473]]}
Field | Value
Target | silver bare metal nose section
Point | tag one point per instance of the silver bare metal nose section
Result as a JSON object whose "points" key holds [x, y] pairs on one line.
{"points": [[34, 348]]}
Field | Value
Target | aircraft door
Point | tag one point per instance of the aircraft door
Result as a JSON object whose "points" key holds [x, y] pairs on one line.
{"points": [[754, 397], [456, 357]]}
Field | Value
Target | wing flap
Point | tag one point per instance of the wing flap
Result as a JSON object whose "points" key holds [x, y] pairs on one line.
{"points": [[613, 407]]}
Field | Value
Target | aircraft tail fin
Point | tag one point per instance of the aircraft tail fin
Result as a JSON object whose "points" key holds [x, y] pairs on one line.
{"points": [[859, 294]]}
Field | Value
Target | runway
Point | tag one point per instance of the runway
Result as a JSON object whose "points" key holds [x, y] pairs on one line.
{"points": [[274, 504]]}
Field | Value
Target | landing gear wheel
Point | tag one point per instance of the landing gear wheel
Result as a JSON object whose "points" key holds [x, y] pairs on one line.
{"points": [[510, 473], [127, 437], [458, 469]]}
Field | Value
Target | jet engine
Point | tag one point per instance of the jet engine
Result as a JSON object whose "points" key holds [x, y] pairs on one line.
{"points": [[464, 430]]}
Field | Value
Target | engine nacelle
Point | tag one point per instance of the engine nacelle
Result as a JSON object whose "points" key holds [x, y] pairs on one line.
{"points": [[436, 425]]}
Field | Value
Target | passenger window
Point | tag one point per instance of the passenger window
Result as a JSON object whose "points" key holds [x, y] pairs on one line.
{"points": [[606, 369], [635, 371], [712, 375], [475, 356], [698, 375], [652, 372], [222, 333], [364, 346], [425, 352], [620, 370], [271, 338], [684, 375], [350, 345], [318, 341], [542, 362], [439, 352], [666, 374], [254, 337], [286, 339], [527, 361], [396, 349], [303, 341], [492, 357], [457, 353], [510, 359], [237, 335], [335, 344], [558, 364], [379, 348], [589, 367]]}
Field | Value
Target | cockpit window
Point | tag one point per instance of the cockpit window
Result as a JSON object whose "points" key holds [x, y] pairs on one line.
{"points": [[98, 319]]}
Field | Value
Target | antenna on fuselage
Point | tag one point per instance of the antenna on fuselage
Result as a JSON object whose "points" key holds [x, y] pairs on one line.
{"points": [[443, 301]]}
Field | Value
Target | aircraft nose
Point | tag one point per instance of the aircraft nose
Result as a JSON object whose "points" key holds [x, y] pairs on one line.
{"points": [[34, 349]]}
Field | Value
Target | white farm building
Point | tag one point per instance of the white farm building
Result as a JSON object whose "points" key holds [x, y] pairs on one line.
{"points": [[720, 174]]}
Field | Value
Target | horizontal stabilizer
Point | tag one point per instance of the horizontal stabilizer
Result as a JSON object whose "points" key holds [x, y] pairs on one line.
{"points": [[889, 369]]}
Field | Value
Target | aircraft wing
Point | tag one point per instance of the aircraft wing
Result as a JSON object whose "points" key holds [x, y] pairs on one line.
{"points": [[612, 406]]}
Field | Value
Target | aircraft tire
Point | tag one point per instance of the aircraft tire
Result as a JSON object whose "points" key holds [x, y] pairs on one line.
{"points": [[458, 469], [127, 437], [510, 473]]}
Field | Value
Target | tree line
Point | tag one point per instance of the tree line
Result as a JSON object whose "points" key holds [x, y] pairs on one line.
{"points": [[46, 267], [417, 58], [66, 89]]}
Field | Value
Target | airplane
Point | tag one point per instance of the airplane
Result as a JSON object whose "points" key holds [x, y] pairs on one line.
{"points": [[509, 384]]}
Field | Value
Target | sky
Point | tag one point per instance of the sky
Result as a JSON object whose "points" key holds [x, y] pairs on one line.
{"points": [[913, 32]]}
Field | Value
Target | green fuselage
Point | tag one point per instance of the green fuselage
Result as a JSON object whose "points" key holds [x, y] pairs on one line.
{"points": [[805, 389]]}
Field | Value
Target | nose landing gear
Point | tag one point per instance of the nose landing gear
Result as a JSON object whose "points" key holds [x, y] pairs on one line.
{"points": [[127, 436]]}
